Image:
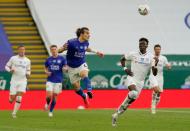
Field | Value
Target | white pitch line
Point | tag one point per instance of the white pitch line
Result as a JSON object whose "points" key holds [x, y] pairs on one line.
{"points": [[31, 129], [162, 110]]}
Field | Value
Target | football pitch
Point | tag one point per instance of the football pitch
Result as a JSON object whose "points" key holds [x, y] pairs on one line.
{"points": [[96, 120]]}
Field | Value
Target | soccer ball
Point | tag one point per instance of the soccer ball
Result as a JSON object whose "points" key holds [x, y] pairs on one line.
{"points": [[143, 9]]}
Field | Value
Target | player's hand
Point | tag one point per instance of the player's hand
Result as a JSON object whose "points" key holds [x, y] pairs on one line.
{"points": [[48, 73], [156, 60], [129, 72], [12, 70], [100, 54], [65, 46], [168, 66], [27, 76], [65, 69]]}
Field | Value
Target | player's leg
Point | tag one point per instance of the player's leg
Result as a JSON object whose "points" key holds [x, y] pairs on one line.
{"points": [[57, 89], [155, 99], [75, 81], [79, 91], [49, 94], [87, 82], [155, 94], [12, 98], [134, 91], [157, 90], [131, 97], [52, 105], [17, 103], [13, 92], [20, 90]]}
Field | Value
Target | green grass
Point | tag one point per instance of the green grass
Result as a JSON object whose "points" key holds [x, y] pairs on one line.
{"points": [[97, 120]]}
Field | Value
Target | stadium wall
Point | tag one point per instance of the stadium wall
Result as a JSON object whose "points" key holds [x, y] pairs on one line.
{"points": [[115, 25], [103, 99], [108, 74]]}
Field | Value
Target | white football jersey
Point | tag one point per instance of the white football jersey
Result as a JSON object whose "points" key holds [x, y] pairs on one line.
{"points": [[163, 61], [21, 65], [140, 64]]}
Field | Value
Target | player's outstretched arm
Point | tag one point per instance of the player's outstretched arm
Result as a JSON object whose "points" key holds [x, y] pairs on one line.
{"points": [[100, 54], [123, 61], [154, 66], [63, 48]]}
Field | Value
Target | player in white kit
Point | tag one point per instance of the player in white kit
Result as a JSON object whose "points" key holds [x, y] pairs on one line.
{"points": [[141, 64], [157, 82], [19, 65]]}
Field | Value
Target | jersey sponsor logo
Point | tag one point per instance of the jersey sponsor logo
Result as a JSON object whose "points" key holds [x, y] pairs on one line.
{"points": [[54, 67], [141, 59], [21, 65], [79, 54]]}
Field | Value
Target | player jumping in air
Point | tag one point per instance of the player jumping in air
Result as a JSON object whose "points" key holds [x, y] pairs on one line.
{"points": [[158, 79], [77, 66], [54, 67], [141, 64], [19, 65]]}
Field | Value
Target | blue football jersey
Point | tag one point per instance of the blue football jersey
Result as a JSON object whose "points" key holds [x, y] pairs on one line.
{"points": [[76, 52], [55, 66]]}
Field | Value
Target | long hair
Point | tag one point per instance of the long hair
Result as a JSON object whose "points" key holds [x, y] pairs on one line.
{"points": [[80, 31]]}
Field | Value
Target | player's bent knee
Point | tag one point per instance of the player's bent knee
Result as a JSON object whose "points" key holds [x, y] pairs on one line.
{"points": [[12, 98], [84, 73], [76, 85], [18, 99], [156, 89], [133, 94]]}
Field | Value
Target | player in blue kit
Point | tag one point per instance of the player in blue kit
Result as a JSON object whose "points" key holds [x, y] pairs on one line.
{"points": [[54, 67], [77, 66]]}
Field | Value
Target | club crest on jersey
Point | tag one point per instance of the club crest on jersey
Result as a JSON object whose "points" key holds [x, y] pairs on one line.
{"points": [[59, 61], [85, 47], [54, 61], [81, 47]]}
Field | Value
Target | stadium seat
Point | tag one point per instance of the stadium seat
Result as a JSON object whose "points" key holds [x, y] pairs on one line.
{"points": [[21, 29]]}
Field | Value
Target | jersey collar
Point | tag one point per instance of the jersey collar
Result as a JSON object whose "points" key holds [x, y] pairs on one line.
{"points": [[142, 54]]}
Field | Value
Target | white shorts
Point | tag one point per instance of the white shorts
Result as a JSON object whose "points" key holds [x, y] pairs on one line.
{"points": [[74, 73], [16, 87], [156, 81], [54, 87], [132, 81]]}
